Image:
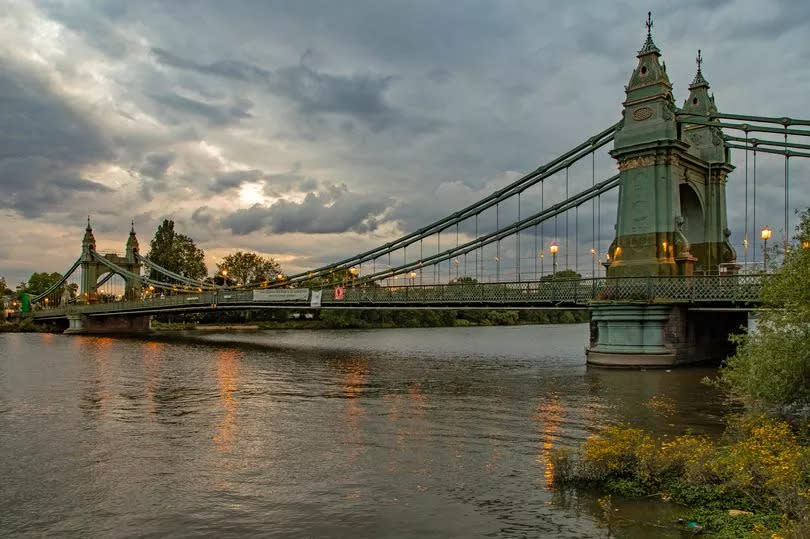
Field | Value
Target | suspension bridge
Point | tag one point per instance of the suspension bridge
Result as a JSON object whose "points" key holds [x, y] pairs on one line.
{"points": [[653, 288]]}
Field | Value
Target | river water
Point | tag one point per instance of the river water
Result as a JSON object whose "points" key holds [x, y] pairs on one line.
{"points": [[397, 433]]}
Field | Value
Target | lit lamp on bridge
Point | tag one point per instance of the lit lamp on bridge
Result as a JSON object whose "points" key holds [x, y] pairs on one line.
{"points": [[805, 244], [354, 271], [554, 248], [593, 263], [412, 276], [766, 235]]}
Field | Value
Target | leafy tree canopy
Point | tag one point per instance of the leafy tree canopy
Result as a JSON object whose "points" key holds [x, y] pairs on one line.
{"points": [[245, 268], [562, 275], [176, 252], [772, 365], [40, 282]]}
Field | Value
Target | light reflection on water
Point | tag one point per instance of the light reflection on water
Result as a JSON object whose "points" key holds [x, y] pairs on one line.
{"points": [[438, 432]]}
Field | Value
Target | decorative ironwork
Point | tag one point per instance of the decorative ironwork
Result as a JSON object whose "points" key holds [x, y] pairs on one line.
{"points": [[699, 290]]}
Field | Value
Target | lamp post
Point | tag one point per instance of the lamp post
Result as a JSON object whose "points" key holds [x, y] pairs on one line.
{"points": [[554, 248], [412, 276], [765, 233], [593, 263], [354, 271]]}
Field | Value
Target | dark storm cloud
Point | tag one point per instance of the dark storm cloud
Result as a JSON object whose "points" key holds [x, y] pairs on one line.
{"points": [[359, 95], [45, 144], [332, 211]]}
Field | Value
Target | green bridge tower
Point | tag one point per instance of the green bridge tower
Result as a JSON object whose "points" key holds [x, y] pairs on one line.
{"points": [[671, 220]]}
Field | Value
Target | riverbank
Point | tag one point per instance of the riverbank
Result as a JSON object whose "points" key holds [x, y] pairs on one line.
{"points": [[24, 326], [752, 482], [386, 319]]}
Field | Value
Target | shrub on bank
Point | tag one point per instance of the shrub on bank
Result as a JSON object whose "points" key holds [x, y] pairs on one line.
{"points": [[759, 466], [26, 325]]}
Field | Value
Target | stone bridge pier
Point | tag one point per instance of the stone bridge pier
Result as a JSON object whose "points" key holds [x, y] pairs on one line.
{"points": [[117, 324], [660, 335]]}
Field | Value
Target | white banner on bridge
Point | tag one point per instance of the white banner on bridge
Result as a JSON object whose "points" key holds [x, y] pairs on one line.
{"points": [[288, 294], [315, 298]]}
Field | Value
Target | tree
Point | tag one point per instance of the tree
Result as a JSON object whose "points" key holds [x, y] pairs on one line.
{"points": [[771, 367], [40, 282], [246, 268], [562, 275], [4, 290], [175, 252]]}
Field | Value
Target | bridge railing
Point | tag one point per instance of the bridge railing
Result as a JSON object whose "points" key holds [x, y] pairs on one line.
{"points": [[714, 289], [703, 289]]}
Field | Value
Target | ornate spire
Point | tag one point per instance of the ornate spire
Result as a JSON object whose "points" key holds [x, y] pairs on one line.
{"points": [[649, 47], [89, 239], [699, 81], [132, 241]]}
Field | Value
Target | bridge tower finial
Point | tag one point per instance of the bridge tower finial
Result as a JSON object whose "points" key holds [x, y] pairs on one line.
{"points": [[649, 46]]}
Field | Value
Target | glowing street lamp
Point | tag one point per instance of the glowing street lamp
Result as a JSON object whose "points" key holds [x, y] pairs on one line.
{"points": [[765, 234], [805, 244], [354, 271], [412, 276], [554, 248], [593, 263]]}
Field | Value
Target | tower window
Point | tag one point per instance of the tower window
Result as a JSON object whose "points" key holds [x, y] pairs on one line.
{"points": [[643, 70], [694, 100]]}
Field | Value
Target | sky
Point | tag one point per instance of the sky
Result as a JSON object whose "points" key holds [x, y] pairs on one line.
{"points": [[311, 130]]}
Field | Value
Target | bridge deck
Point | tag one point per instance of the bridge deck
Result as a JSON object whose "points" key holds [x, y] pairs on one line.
{"points": [[701, 291]]}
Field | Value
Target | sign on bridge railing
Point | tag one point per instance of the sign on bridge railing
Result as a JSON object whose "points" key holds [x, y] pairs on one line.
{"points": [[283, 294]]}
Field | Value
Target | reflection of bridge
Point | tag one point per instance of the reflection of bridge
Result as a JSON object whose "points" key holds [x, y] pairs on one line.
{"points": [[670, 262]]}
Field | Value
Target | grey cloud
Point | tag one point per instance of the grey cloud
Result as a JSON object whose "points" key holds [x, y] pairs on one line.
{"points": [[224, 68], [360, 95], [332, 211], [46, 145], [155, 165], [100, 31], [439, 76], [203, 215], [234, 179], [218, 115]]}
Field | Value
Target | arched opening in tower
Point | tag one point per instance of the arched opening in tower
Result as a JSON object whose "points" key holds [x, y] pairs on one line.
{"points": [[694, 226]]}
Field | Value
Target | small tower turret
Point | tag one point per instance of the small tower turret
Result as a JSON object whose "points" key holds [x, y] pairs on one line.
{"points": [[132, 245], [89, 241], [649, 106], [706, 141]]}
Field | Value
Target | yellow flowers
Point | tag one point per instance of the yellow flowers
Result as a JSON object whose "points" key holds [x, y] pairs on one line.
{"points": [[759, 460]]}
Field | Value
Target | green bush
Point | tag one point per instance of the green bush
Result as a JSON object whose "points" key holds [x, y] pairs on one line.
{"points": [[771, 367]]}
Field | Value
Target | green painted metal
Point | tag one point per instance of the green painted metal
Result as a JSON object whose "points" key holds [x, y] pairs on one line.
{"points": [[714, 290], [25, 299], [671, 217]]}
